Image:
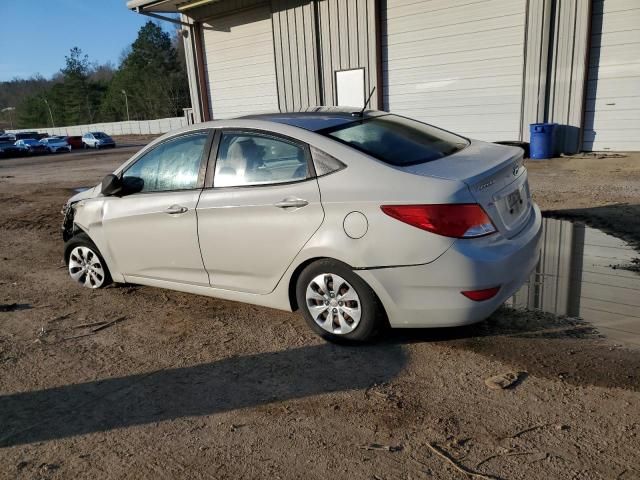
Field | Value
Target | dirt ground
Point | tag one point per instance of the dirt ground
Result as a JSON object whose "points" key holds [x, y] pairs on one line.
{"points": [[192, 387]]}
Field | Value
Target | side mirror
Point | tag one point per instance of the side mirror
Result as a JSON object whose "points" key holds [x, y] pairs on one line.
{"points": [[111, 185], [131, 185]]}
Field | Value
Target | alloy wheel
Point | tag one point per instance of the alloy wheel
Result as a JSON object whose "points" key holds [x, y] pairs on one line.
{"points": [[333, 303], [86, 268]]}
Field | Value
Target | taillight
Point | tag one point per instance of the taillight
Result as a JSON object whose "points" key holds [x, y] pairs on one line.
{"points": [[458, 220], [480, 295]]}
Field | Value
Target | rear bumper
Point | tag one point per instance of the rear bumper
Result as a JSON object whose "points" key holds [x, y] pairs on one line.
{"points": [[429, 295]]}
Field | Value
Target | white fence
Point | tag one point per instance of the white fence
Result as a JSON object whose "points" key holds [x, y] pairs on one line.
{"points": [[134, 127]]}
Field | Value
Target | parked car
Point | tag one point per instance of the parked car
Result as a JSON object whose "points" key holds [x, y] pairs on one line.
{"points": [[350, 218], [75, 141], [56, 144], [23, 135], [32, 146], [8, 137], [9, 149], [97, 140]]}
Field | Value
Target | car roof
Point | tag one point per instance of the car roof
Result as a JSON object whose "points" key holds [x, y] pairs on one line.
{"points": [[317, 118]]}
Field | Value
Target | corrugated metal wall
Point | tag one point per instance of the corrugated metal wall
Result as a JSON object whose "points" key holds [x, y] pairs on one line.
{"points": [[311, 40], [536, 64], [348, 39], [485, 68], [555, 68], [568, 70], [314, 39], [296, 52]]}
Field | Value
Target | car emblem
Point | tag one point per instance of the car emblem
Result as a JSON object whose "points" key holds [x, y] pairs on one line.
{"points": [[516, 169]]}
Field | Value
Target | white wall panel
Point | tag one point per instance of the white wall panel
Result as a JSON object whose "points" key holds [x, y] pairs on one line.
{"points": [[612, 110], [457, 64], [239, 62]]}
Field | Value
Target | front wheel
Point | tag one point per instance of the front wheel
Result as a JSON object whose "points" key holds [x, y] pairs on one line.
{"points": [[337, 303], [85, 263]]}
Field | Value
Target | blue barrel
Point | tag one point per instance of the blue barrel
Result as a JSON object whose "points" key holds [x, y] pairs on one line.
{"points": [[542, 140]]}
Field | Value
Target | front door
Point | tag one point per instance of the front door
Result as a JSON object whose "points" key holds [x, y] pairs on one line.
{"points": [[263, 207], [153, 234]]}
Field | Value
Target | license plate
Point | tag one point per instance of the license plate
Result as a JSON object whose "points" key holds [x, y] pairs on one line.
{"points": [[514, 202]]}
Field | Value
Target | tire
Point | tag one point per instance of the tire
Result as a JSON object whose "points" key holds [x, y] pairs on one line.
{"points": [[85, 263], [84, 146], [96, 146], [327, 284]]}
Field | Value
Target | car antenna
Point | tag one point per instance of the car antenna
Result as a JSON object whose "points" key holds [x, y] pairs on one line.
{"points": [[361, 112]]}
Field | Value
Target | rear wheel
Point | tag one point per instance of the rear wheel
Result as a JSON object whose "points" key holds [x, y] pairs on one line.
{"points": [[337, 303], [85, 263]]}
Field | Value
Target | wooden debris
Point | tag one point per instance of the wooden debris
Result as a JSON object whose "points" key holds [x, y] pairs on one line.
{"points": [[109, 324], [458, 466], [87, 325], [377, 446]]}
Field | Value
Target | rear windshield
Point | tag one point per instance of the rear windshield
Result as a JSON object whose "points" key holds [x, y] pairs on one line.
{"points": [[398, 140]]}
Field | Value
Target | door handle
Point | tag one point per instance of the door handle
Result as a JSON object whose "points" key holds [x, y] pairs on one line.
{"points": [[176, 210], [291, 203]]}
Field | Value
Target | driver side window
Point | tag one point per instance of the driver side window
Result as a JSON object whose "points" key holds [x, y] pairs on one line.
{"points": [[172, 165]]}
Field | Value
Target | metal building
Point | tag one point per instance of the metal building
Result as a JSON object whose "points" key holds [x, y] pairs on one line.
{"points": [[482, 68]]}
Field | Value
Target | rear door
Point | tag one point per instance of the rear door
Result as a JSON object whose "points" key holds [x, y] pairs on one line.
{"points": [[261, 207]]}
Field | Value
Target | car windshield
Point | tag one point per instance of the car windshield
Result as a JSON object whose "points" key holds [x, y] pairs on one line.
{"points": [[99, 134], [397, 140]]}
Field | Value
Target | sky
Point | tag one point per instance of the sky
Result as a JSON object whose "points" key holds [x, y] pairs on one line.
{"points": [[37, 34]]}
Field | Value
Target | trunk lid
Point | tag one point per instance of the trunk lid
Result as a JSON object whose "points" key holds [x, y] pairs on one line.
{"points": [[495, 176]]}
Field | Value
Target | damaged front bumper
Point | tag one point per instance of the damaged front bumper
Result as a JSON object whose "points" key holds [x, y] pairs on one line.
{"points": [[68, 211]]}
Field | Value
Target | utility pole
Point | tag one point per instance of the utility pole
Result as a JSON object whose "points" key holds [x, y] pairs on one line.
{"points": [[53, 125], [126, 102], [10, 110]]}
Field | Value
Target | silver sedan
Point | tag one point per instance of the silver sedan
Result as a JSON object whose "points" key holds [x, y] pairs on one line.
{"points": [[358, 220]]}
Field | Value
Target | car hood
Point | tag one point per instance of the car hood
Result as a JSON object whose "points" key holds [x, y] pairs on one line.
{"points": [[85, 194]]}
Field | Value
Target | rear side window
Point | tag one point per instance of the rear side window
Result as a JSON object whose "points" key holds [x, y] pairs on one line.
{"points": [[397, 140], [325, 163]]}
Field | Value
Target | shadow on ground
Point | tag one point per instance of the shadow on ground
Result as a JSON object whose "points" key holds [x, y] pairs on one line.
{"points": [[564, 349], [232, 383]]}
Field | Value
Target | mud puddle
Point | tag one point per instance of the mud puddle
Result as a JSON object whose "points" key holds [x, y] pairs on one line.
{"points": [[585, 273]]}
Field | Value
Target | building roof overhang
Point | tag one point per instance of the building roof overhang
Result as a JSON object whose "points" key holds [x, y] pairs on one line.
{"points": [[167, 6]]}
